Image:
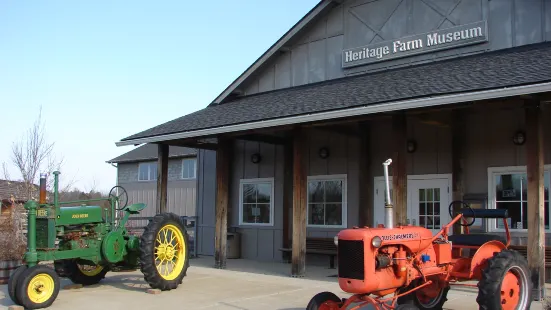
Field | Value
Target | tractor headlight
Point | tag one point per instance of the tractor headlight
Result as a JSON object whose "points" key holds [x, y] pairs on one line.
{"points": [[336, 240], [376, 241]]}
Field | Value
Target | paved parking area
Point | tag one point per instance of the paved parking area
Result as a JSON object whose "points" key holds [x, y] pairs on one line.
{"points": [[208, 288]]}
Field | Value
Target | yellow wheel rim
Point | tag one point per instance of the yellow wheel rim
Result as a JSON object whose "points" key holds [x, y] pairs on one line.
{"points": [[90, 271], [170, 252], [41, 288]]}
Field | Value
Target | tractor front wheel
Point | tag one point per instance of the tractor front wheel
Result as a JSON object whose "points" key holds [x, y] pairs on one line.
{"points": [[164, 252], [505, 282], [12, 282], [37, 287], [324, 301], [431, 297]]}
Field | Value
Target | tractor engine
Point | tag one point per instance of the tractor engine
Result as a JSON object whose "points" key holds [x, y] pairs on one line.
{"points": [[380, 260]]}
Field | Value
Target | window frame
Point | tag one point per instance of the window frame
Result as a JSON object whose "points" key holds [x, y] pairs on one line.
{"points": [[148, 163], [256, 181], [330, 177], [194, 168], [492, 172]]}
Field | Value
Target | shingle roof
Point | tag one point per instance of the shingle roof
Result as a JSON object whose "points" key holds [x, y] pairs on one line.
{"points": [[149, 152], [505, 68], [16, 190]]}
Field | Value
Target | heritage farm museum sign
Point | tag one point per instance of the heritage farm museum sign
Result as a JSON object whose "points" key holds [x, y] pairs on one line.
{"points": [[417, 44]]}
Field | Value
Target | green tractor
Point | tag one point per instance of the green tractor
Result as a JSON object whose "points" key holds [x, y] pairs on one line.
{"points": [[85, 242]]}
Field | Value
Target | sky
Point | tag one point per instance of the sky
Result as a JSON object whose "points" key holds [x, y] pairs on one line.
{"points": [[103, 70]]}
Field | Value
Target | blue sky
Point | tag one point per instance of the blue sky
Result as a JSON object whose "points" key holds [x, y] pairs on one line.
{"points": [[103, 70]]}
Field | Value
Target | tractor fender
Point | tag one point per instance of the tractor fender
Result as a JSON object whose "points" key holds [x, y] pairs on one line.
{"points": [[483, 253]]}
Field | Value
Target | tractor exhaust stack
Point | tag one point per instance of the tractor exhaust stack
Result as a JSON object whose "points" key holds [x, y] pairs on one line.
{"points": [[389, 210], [42, 199]]}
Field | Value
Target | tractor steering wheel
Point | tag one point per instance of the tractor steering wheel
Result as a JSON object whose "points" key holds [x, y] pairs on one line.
{"points": [[119, 193], [465, 206]]}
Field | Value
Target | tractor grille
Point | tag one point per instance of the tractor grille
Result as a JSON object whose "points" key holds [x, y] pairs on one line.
{"points": [[351, 259], [41, 233]]}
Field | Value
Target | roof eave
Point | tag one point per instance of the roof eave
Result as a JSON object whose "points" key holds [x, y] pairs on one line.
{"points": [[364, 110]]}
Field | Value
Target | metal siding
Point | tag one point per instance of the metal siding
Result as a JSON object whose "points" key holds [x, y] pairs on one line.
{"points": [[250, 170], [500, 24], [265, 243], [547, 19], [335, 22], [283, 71], [333, 68], [528, 21], [299, 65], [316, 61], [206, 202], [266, 81]]}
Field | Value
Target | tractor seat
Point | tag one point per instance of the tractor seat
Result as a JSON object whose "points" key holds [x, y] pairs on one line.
{"points": [[475, 239]]}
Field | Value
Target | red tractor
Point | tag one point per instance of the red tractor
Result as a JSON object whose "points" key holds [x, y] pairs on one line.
{"points": [[406, 267]]}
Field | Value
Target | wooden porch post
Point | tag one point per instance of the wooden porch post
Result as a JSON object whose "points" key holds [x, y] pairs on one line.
{"points": [[162, 178], [536, 211], [366, 211], [298, 268], [287, 192], [222, 197], [458, 158], [399, 172]]}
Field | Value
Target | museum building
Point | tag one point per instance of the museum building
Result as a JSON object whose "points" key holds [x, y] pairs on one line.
{"points": [[455, 92]]}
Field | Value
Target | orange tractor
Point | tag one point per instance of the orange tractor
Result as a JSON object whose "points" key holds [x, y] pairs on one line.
{"points": [[406, 267]]}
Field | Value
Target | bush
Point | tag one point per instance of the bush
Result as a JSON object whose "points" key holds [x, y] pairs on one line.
{"points": [[12, 240]]}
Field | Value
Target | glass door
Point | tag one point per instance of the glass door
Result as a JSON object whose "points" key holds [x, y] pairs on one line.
{"points": [[428, 203]]}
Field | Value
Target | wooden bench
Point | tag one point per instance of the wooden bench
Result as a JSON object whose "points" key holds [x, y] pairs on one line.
{"points": [[321, 246]]}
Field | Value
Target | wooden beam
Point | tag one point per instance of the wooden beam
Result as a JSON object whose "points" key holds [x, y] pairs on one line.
{"points": [[222, 199], [366, 211], [399, 172], [298, 268], [536, 211], [263, 139], [339, 129], [162, 177], [458, 162], [287, 193]]}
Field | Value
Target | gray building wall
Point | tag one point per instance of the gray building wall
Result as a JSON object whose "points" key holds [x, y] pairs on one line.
{"points": [[181, 194], [316, 55], [488, 144]]}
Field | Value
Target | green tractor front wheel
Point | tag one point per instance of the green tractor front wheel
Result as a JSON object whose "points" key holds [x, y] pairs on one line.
{"points": [[36, 287], [164, 252]]}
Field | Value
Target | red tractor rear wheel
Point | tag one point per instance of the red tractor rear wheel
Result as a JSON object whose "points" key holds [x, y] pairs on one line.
{"points": [[324, 301], [505, 282], [431, 297]]}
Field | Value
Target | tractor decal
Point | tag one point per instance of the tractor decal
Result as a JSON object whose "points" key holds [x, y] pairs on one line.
{"points": [[400, 236]]}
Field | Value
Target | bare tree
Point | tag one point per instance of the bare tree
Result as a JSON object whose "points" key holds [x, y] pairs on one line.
{"points": [[32, 155]]}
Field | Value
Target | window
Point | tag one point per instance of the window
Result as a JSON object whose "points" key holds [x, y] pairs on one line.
{"points": [[508, 190], [147, 171], [256, 205], [327, 201], [189, 168]]}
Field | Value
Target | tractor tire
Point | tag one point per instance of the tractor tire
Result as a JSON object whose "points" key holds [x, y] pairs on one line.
{"points": [[156, 245], [78, 274], [505, 282], [12, 282], [37, 287], [406, 307], [319, 299], [418, 300]]}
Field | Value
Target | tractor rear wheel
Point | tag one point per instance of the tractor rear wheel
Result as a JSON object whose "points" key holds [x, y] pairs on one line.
{"points": [[324, 301], [37, 287], [80, 274], [431, 297], [505, 282], [164, 252]]}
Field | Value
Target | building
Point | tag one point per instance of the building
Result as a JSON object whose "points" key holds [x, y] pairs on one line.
{"points": [[455, 92], [137, 174]]}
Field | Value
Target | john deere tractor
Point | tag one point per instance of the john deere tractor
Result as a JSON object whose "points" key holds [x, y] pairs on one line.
{"points": [[84, 242]]}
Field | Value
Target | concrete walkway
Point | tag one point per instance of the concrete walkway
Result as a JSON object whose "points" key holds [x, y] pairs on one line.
{"points": [[208, 288]]}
